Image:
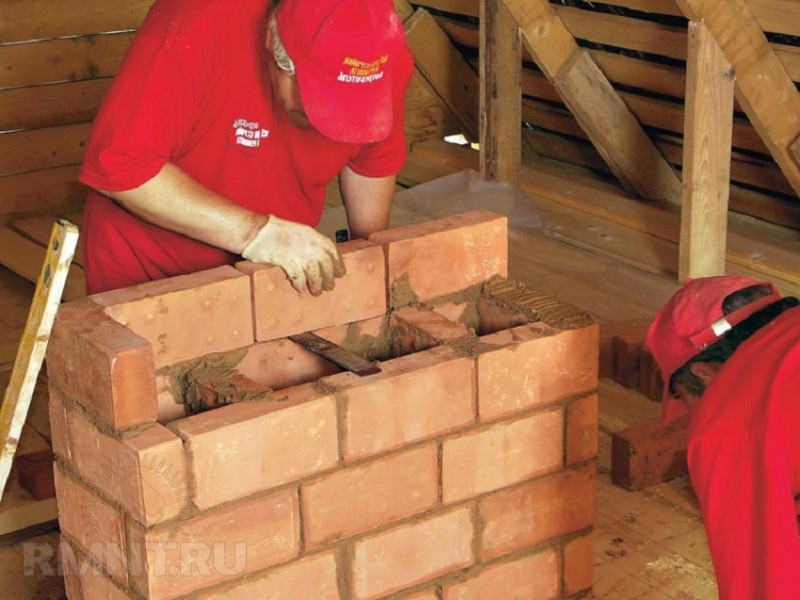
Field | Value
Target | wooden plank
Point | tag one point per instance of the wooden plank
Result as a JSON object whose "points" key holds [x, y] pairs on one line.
{"points": [[18, 511], [70, 59], [37, 149], [442, 66], [468, 8], [46, 300], [41, 191], [25, 257], [550, 43], [22, 20], [707, 157], [38, 229], [625, 32], [615, 132], [500, 93], [432, 122], [763, 87], [777, 16], [650, 112], [744, 168], [48, 105], [607, 239]]}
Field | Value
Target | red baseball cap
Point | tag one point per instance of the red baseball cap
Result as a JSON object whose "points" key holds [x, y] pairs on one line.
{"points": [[345, 53], [690, 321]]}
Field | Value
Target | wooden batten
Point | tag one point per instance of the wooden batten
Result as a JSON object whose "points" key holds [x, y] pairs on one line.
{"points": [[56, 70]]}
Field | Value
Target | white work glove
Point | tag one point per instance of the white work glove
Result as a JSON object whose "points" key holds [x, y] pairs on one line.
{"points": [[308, 258]]}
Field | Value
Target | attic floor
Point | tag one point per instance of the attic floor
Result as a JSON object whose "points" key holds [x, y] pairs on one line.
{"points": [[648, 544]]}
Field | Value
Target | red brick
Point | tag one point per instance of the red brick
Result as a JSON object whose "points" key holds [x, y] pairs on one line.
{"points": [[649, 453], [376, 493], [187, 316], [144, 473], [280, 310], [368, 338], [426, 595], [608, 331], [264, 444], [526, 578], [208, 389], [184, 556], [35, 473], [582, 418], [94, 526], [59, 438], [443, 256], [414, 397], [651, 383], [626, 349], [493, 316], [579, 565], [103, 365], [282, 364], [537, 511], [414, 329], [533, 365], [501, 455], [357, 330], [412, 554], [84, 580], [311, 578]]}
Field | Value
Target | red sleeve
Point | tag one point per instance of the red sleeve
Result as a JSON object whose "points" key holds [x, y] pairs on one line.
{"points": [[147, 114]]}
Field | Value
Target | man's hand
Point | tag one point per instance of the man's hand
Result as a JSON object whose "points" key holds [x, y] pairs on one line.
{"points": [[308, 258]]}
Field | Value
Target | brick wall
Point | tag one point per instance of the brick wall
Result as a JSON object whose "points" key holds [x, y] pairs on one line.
{"points": [[464, 469]]}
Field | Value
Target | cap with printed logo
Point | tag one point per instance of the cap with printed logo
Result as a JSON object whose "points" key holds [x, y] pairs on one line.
{"points": [[346, 53], [693, 319]]}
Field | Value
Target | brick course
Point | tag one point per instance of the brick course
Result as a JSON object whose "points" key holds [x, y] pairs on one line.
{"points": [[411, 554], [529, 577], [463, 469], [103, 365], [281, 311], [246, 448]]}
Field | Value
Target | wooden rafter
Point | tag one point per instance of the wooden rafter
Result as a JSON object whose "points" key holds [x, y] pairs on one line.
{"points": [[443, 67], [602, 114], [763, 87]]}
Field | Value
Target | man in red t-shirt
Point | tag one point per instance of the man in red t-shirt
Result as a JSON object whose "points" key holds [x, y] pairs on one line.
{"points": [[729, 350], [223, 128]]}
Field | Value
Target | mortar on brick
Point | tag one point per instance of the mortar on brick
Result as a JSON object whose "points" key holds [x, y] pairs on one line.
{"points": [[281, 363], [316, 412]]}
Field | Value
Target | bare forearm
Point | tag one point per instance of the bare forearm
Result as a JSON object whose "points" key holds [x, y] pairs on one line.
{"points": [[175, 201], [367, 200]]}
